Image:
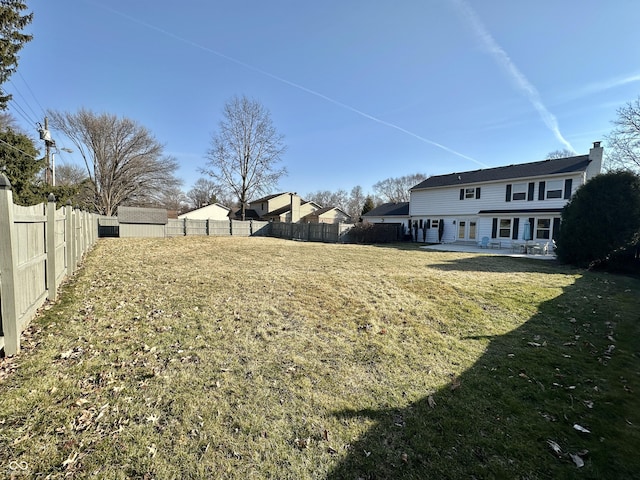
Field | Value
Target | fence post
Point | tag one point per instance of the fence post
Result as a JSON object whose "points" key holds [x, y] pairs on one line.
{"points": [[71, 239], [8, 262], [52, 269]]}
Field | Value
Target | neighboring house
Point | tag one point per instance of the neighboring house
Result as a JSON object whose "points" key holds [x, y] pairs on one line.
{"points": [[516, 202], [142, 222], [279, 207], [215, 211], [327, 215], [393, 212]]}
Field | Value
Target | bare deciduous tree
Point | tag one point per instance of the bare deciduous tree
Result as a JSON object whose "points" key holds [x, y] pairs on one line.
{"points": [[68, 174], [326, 198], [624, 141], [124, 162], [564, 153], [355, 203], [397, 189], [205, 192], [246, 150]]}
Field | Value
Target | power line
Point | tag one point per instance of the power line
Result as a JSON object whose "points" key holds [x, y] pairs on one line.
{"points": [[20, 111], [25, 100], [17, 149], [32, 94]]}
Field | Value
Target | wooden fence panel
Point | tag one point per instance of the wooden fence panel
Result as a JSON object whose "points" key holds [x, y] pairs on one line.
{"points": [[38, 246], [60, 235], [220, 228], [240, 228], [29, 225], [195, 227], [173, 228]]}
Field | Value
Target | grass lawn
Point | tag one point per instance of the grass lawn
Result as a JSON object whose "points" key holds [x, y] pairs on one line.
{"points": [[248, 358]]}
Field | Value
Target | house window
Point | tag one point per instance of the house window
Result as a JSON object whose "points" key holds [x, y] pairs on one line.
{"points": [[543, 228], [469, 193], [472, 230], [505, 228], [435, 223], [554, 189], [519, 191]]}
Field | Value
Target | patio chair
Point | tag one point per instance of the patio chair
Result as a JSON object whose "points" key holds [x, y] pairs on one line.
{"points": [[484, 243]]}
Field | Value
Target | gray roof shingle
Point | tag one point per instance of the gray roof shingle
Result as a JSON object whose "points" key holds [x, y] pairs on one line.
{"points": [[150, 216], [389, 209], [523, 170]]}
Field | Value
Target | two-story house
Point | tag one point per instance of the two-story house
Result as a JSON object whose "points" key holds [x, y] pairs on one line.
{"points": [[281, 207], [515, 202]]}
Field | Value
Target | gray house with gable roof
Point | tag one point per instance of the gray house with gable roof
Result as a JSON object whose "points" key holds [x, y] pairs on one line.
{"points": [[515, 202]]}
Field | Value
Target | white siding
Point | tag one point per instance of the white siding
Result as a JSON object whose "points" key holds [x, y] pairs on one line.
{"points": [[445, 201], [213, 212]]}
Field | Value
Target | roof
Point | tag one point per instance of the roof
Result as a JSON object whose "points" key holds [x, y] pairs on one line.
{"points": [[268, 197], [389, 209], [249, 214], [138, 215], [322, 211], [523, 170]]}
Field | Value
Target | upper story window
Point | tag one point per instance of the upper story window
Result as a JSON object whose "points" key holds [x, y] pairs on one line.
{"points": [[554, 189], [469, 193], [519, 191]]}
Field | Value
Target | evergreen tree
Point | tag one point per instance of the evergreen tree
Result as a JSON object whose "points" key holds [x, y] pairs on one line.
{"points": [[368, 205], [601, 221], [12, 22], [19, 163]]}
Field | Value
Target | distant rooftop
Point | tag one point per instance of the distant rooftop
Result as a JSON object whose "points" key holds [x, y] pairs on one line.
{"points": [[389, 209]]}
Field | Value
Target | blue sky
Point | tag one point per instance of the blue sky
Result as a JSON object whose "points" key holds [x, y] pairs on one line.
{"points": [[361, 90]]}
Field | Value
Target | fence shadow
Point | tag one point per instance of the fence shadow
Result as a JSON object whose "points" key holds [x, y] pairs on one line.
{"points": [[517, 394]]}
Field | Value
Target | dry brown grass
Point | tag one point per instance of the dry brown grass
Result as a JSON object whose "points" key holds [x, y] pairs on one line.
{"points": [[264, 358]]}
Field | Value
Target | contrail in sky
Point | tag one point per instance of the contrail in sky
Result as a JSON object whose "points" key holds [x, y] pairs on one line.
{"points": [[516, 75], [287, 82]]}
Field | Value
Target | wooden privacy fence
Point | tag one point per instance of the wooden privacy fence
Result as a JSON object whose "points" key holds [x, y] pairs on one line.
{"points": [[312, 232], [221, 228], [39, 246]]}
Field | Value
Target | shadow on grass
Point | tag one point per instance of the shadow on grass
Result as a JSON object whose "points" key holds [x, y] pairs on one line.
{"points": [[530, 387], [485, 263]]}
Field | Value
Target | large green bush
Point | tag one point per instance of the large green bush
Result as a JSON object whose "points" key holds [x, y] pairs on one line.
{"points": [[601, 223]]}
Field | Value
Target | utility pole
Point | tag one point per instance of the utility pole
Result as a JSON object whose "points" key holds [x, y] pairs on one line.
{"points": [[48, 143]]}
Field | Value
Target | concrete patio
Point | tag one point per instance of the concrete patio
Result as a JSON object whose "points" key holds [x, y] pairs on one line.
{"points": [[473, 248]]}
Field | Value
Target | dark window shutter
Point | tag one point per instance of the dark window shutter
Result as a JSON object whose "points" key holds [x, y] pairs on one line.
{"points": [[567, 188], [477, 192], [541, 190], [531, 220], [507, 197], [530, 193], [556, 228], [516, 226], [494, 228], [462, 194], [428, 223]]}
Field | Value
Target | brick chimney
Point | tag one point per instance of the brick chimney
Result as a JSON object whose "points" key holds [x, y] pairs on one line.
{"points": [[295, 208], [595, 160]]}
